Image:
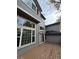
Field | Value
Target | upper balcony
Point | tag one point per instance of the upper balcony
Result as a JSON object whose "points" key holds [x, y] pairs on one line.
{"points": [[30, 8]]}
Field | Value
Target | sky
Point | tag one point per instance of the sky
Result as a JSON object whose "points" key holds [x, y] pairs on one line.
{"points": [[49, 11]]}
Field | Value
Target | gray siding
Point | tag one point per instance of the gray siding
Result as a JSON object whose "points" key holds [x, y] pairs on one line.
{"points": [[53, 27], [53, 39]]}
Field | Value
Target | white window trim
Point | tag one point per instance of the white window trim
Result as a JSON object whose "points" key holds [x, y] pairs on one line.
{"points": [[20, 37], [24, 27]]}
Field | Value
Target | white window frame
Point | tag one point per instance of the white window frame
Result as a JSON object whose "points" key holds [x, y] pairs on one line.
{"points": [[24, 27], [29, 28]]}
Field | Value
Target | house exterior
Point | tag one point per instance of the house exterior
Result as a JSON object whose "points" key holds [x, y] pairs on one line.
{"points": [[53, 33], [30, 25]]}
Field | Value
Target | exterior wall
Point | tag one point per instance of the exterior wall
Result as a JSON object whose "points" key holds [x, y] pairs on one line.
{"points": [[53, 38], [42, 24], [25, 8], [53, 27]]}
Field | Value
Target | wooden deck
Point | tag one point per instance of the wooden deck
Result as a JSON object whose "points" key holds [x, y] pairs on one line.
{"points": [[43, 51]]}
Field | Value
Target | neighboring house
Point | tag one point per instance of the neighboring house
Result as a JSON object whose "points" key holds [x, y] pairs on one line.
{"points": [[30, 25], [53, 33]]}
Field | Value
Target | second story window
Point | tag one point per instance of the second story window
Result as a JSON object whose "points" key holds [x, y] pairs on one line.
{"points": [[33, 7], [41, 28], [30, 3]]}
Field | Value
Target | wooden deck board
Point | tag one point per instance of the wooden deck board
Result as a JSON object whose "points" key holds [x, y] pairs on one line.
{"points": [[43, 51]]}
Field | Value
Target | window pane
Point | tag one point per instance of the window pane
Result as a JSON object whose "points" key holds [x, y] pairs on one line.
{"points": [[27, 24], [41, 28], [43, 37], [33, 7], [33, 32], [33, 36], [26, 37], [18, 36], [18, 40], [24, 22], [20, 21], [33, 25]]}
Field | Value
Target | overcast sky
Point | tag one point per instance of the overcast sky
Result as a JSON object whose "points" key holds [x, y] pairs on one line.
{"points": [[49, 11]]}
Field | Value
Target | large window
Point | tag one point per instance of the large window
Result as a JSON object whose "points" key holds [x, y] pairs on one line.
{"points": [[25, 32]]}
